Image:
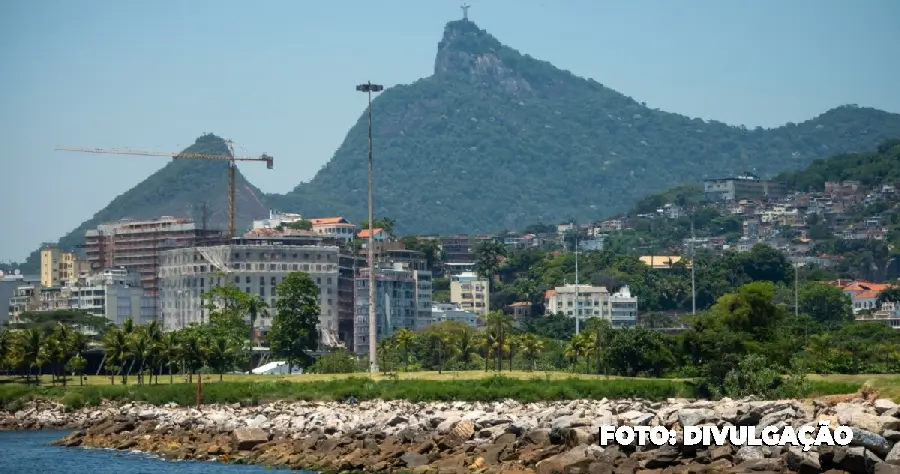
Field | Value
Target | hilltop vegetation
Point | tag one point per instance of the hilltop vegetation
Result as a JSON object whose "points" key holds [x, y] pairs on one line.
{"points": [[496, 139]]}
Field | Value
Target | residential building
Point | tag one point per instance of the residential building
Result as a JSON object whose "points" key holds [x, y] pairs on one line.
{"points": [[620, 308], [379, 236], [455, 268], [863, 294], [662, 262], [58, 267], [335, 227], [623, 308], [442, 312], [459, 248], [256, 262], [889, 313], [745, 186], [113, 293], [470, 292], [136, 246], [8, 286], [277, 219], [402, 300]]}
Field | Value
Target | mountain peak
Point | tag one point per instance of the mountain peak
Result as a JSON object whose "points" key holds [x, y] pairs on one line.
{"points": [[468, 53]]}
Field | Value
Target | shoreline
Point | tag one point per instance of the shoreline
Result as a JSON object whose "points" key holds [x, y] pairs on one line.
{"points": [[497, 437]]}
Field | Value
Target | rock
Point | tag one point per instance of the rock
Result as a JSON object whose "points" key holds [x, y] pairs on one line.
{"points": [[883, 404], [749, 453], [802, 462], [871, 441], [413, 460], [662, 457], [248, 438], [855, 460], [579, 457]]}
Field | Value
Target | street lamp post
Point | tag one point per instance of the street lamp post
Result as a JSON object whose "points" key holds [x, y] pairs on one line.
{"points": [[369, 88]]}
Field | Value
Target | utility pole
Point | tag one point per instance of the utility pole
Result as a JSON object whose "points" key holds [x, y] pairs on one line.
{"points": [[369, 88], [796, 287], [693, 272], [577, 307]]}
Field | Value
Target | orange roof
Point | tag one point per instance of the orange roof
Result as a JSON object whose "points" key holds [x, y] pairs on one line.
{"points": [[549, 293], [328, 220], [519, 304], [364, 234], [867, 294]]}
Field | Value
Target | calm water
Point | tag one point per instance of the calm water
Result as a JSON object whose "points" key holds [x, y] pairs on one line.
{"points": [[29, 451]]}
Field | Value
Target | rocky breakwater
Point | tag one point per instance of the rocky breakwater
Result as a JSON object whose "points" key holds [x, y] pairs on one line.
{"points": [[501, 437]]}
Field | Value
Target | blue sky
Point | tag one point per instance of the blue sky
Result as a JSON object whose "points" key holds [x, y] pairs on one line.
{"points": [[278, 76]]}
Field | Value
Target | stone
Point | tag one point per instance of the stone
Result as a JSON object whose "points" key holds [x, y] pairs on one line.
{"points": [[249, 438]]}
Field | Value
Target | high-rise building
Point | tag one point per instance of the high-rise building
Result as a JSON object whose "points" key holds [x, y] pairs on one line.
{"points": [[59, 267], [402, 300], [136, 245], [256, 263]]}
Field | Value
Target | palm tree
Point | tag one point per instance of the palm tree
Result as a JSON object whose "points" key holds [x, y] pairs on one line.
{"points": [[255, 306], [512, 343], [153, 332], [28, 348], [488, 255], [170, 351], [602, 331], [384, 349], [501, 323], [487, 343], [220, 353], [466, 345], [139, 346], [404, 338], [531, 348], [117, 351], [443, 344]]}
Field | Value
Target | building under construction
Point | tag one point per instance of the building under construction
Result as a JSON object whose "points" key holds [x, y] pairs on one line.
{"points": [[135, 245]]}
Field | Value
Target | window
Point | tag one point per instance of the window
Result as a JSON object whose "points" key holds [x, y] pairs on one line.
{"points": [[328, 280], [274, 281], [237, 279], [262, 291], [262, 281], [247, 280], [247, 290]]}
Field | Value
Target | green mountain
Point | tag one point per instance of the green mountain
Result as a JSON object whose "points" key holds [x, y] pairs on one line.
{"points": [[496, 139], [178, 189]]}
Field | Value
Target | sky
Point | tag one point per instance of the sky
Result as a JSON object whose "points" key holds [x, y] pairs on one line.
{"points": [[278, 77]]}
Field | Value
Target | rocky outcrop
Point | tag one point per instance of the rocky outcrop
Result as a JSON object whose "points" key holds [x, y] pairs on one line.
{"points": [[501, 437]]}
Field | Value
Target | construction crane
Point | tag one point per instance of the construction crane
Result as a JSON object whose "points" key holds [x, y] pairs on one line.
{"points": [[230, 158]]}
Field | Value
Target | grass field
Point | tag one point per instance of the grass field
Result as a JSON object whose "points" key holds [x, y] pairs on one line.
{"points": [[414, 386], [463, 375], [887, 385]]}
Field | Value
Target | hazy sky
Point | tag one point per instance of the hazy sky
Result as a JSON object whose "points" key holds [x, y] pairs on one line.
{"points": [[278, 76]]}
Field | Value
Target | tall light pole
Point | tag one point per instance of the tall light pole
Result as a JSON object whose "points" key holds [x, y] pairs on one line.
{"points": [[577, 307], [693, 274], [369, 88]]}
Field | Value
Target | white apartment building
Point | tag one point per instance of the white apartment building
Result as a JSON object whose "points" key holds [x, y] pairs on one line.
{"points": [[113, 293], [470, 292], [442, 312], [256, 263], [402, 300], [588, 301]]}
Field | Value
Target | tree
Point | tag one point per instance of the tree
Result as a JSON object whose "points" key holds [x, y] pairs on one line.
{"points": [[531, 349], [302, 224], [227, 306], [488, 255], [293, 330], [500, 324], [826, 304], [404, 338]]}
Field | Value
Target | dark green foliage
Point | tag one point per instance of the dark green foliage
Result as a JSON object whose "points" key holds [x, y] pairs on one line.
{"points": [[496, 139], [178, 189], [870, 169]]}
